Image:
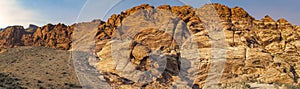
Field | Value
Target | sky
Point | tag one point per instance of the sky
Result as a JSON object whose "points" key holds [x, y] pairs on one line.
{"points": [[41, 12]]}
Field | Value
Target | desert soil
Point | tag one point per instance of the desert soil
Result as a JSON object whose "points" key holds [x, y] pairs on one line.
{"points": [[37, 68]]}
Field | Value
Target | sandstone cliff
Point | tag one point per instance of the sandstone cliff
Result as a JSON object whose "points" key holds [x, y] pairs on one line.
{"points": [[259, 51], [265, 51], [54, 36], [57, 36]]}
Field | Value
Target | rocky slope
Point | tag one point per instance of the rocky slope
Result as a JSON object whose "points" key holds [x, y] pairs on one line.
{"points": [[256, 51], [264, 51]]}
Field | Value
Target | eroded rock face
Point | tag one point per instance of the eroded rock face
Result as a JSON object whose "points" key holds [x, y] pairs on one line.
{"points": [[262, 50], [57, 36], [145, 53], [150, 51], [54, 36], [11, 36], [257, 50]]}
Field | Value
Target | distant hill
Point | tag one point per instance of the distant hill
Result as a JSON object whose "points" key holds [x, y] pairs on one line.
{"points": [[57, 36]]}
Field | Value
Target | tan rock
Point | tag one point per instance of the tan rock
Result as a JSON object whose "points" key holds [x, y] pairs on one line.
{"points": [[140, 52], [283, 24], [275, 48], [267, 18], [257, 50], [239, 13], [289, 48], [272, 75], [289, 35], [256, 58], [266, 37]]}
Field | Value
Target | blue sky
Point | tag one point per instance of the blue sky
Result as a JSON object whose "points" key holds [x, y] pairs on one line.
{"points": [[41, 12]]}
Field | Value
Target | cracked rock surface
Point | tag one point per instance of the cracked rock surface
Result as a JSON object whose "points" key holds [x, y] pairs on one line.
{"points": [[258, 52], [265, 51]]}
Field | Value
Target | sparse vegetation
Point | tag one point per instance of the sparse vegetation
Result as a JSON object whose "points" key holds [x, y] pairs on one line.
{"points": [[289, 86]]}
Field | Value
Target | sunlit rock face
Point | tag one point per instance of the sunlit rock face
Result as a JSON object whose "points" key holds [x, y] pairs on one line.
{"points": [[57, 36], [54, 36], [147, 39], [256, 50]]}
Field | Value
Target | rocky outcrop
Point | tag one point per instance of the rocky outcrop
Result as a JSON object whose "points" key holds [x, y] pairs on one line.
{"points": [[257, 50], [264, 51], [11, 36], [54, 36], [57, 36], [146, 53]]}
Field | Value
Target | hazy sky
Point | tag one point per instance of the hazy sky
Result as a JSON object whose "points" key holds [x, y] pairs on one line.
{"points": [[41, 12]]}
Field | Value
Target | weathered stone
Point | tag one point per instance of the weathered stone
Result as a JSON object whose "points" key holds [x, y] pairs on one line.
{"points": [[255, 47], [257, 50], [289, 35], [269, 23], [256, 58], [283, 24], [272, 75], [54, 36], [266, 37], [11, 37], [275, 48], [140, 52]]}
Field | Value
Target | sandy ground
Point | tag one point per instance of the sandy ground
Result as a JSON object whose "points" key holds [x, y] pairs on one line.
{"points": [[37, 68]]}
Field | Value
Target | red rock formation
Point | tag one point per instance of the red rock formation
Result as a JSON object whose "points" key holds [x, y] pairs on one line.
{"points": [[11, 37], [53, 36]]}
